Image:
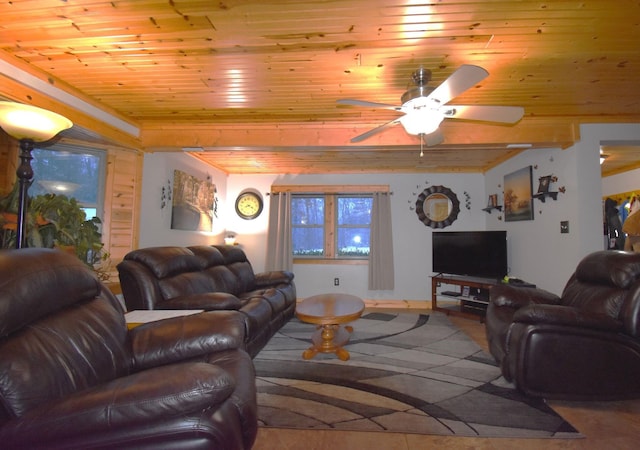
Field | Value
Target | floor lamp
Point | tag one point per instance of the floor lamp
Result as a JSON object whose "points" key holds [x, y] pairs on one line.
{"points": [[29, 125]]}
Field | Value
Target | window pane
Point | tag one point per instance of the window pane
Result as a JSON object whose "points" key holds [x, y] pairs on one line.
{"points": [[307, 223], [354, 210], [74, 174], [308, 241], [307, 210], [354, 219], [353, 242]]}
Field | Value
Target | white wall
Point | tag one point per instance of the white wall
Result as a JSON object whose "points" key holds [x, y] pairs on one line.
{"points": [[155, 222], [622, 182], [538, 252], [411, 238]]}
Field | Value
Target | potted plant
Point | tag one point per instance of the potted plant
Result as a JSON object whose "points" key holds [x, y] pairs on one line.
{"points": [[54, 220]]}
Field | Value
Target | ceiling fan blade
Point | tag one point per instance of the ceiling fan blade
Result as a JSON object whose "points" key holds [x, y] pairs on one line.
{"points": [[434, 138], [352, 102], [373, 131], [462, 79], [506, 114]]}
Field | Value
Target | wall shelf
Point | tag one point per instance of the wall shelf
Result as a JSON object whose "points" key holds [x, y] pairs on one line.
{"points": [[543, 195], [491, 208]]}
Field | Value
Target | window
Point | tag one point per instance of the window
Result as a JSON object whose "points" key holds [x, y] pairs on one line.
{"points": [[71, 171], [331, 226]]}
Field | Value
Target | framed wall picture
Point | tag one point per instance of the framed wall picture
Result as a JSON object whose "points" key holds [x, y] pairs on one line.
{"points": [[192, 204], [543, 184], [518, 196]]}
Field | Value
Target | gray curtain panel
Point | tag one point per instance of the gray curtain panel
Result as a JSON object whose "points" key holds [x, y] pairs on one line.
{"points": [[279, 251], [381, 275]]}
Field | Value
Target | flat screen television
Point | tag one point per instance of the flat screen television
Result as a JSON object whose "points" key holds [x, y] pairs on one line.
{"points": [[480, 254]]}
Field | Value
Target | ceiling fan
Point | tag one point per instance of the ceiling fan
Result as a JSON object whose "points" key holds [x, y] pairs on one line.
{"points": [[424, 107]]}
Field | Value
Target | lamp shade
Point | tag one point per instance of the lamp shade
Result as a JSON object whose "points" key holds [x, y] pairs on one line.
{"points": [[422, 116], [30, 122]]}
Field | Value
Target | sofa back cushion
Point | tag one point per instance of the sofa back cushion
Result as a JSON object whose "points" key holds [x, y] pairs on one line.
{"points": [[165, 262], [603, 282], [236, 260], [61, 331], [610, 268]]}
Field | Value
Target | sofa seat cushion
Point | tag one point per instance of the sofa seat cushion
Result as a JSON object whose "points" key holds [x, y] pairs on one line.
{"points": [[209, 301], [134, 399]]}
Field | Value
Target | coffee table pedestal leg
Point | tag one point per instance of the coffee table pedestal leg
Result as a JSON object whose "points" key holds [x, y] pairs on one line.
{"points": [[329, 339]]}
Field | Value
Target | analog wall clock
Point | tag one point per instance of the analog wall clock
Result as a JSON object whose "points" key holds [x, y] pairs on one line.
{"points": [[249, 205]]}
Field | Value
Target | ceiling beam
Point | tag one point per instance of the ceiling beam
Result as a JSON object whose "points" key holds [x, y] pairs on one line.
{"points": [[548, 132]]}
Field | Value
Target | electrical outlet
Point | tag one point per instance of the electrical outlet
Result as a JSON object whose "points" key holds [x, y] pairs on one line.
{"points": [[336, 281], [564, 226]]}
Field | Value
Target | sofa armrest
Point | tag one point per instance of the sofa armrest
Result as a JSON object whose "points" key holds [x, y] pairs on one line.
{"points": [[273, 278], [209, 301], [517, 297], [181, 338], [144, 397], [566, 316]]}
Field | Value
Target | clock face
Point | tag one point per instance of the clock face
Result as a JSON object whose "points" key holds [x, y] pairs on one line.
{"points": [[249, 205]]}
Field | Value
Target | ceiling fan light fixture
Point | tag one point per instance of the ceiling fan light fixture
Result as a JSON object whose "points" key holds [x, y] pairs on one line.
{"points": [[421, 121]]}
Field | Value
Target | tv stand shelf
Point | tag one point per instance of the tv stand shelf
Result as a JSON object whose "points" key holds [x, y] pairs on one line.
{"points": [[472, 300]]}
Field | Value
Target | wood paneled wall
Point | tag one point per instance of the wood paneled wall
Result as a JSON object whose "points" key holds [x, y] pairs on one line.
{"points": [[9, 150]]}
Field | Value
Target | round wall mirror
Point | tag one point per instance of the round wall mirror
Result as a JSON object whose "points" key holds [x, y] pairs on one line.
{"points": [[437, 207]]}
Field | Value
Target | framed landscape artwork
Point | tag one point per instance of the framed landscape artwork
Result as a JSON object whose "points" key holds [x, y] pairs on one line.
{"points": [[518, 196], [192, 204]]}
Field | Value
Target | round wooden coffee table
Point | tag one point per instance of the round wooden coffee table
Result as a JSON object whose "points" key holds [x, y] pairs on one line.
{"points": [[329, 311]]}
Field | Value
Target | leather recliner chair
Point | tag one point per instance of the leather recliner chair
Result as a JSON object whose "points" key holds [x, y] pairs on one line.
{"points": [[72, 375], [582, 345]]}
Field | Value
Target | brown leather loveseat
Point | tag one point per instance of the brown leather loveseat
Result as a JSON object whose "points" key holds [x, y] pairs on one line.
{"points": [[217, 277], [583, 345], [73, 376]]}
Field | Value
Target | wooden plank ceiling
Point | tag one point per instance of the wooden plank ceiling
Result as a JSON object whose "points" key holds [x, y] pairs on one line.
{"points": [[253, 84]]}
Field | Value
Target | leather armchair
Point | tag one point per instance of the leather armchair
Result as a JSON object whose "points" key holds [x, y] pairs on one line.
{"points": [[582, 345], [73, 376]]}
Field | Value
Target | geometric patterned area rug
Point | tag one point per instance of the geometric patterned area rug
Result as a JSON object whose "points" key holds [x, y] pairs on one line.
{"points": [[408, 373]]}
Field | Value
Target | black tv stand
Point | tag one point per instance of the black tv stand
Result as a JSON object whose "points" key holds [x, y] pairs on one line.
{"points": [[472, 300]]}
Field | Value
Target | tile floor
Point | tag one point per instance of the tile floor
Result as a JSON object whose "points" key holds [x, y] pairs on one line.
{"points": [[606, 425]]}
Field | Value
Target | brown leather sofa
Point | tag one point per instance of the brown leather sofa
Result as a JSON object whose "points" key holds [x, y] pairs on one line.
{"points": [[583, 345], [73, 376], [215, 277]]}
